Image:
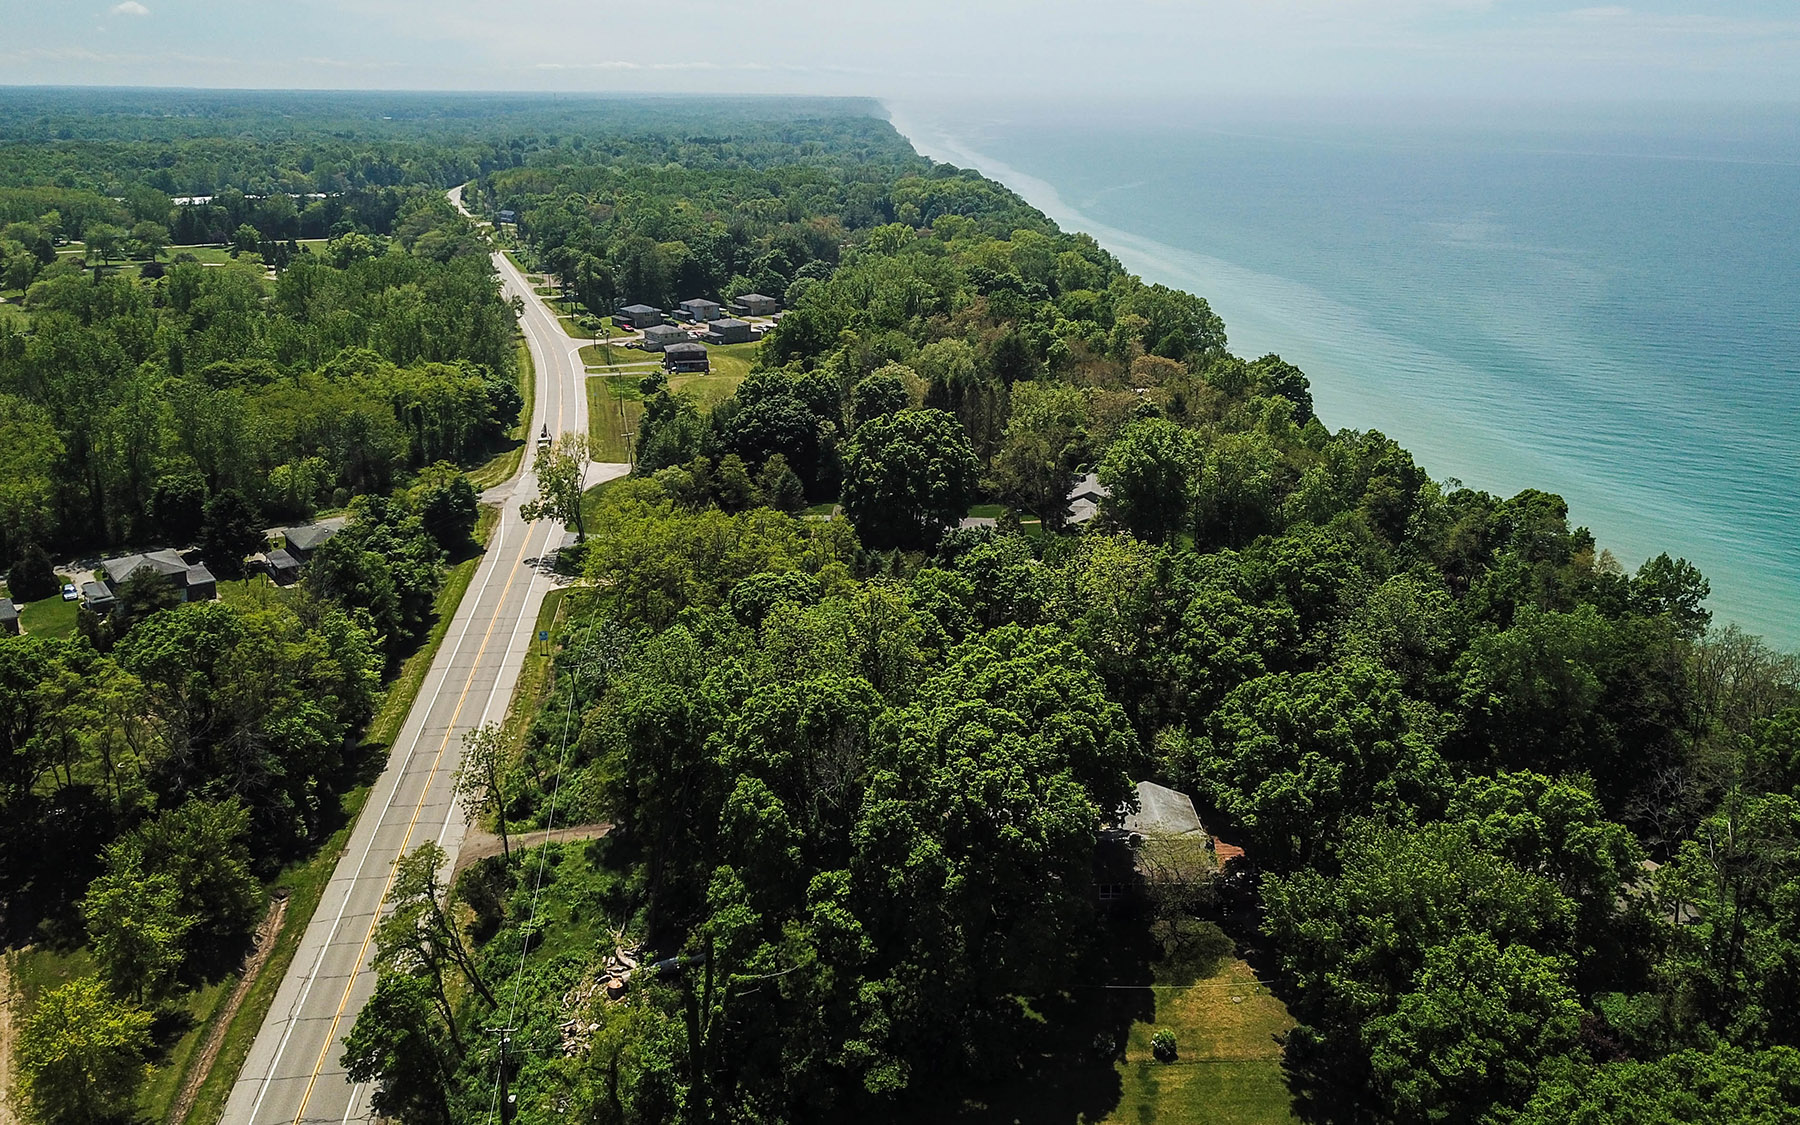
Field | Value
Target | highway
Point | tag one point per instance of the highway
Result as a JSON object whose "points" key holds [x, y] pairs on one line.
{"points": [[292, 1073]]}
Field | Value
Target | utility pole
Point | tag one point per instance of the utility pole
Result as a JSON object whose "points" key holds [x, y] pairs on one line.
{"points": [[508, 1109]]}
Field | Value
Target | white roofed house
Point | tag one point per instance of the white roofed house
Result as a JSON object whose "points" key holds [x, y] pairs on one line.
{"points": [[1085, 498], [1160, 852]]}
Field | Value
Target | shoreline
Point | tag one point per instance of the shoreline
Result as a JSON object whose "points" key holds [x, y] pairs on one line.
{"points": [[1426, 400]]}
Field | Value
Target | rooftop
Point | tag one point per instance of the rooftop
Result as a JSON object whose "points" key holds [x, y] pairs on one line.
{"points": [[165, 562], [640, 309], [685, 348], [1163, 812], [308, 537]]}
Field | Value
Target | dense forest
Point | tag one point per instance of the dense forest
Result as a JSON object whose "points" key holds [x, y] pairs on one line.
{"points": [[1520, 826]]}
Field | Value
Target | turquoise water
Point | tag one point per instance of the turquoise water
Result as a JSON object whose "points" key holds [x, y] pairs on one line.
{"points": [[1608, 309]]}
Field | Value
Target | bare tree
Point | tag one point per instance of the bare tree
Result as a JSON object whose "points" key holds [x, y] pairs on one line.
{"points": [[479, 780]]}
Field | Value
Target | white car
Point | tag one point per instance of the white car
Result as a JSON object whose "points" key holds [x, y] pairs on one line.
{"points": [[68, 592]]}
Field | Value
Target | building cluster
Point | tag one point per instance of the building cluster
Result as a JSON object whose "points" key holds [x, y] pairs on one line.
{"points": [[682, 335]]}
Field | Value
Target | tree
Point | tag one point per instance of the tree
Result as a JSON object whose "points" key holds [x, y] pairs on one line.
{"points": [[104, 241], [561, 472], [907, 476], [1045, 436], [245, 240], [480, 780], [233, 529], [1724, 1086], [202, 847], [1475, 1031], [150, 239], [1152, 468], [135, 925], [31, 577], [447, 504], [81, 1055], [781, 487], [883, 392]]}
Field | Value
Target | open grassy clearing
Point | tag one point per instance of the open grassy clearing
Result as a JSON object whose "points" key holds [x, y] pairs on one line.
{"points": [[614, 407]]}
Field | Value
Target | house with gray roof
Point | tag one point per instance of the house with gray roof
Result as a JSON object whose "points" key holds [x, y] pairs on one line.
{"points": [[1084, 499], [701, 309], [659, 336], [755, 304], [97, 598], [1157, 847], [638, 316], [307, 538], [9, 615], [192, 581], [728, 330]]}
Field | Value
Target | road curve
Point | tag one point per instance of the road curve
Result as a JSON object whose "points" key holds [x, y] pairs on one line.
{"points": [[292, 1073]]}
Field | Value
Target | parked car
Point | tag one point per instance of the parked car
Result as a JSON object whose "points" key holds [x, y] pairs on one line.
{"points": [[69, 592]]}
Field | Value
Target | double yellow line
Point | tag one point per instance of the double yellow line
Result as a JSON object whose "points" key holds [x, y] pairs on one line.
{"points": [[419, 808]]}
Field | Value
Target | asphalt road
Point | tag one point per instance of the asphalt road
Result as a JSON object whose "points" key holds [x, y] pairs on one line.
{"points": [[292, 1074]]}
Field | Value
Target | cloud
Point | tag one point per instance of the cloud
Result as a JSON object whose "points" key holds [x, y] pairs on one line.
{"points": [[129, 8]]}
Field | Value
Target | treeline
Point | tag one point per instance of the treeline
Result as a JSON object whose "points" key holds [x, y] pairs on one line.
{"points": [[132, 406], [196, 142], [1522, 822]]}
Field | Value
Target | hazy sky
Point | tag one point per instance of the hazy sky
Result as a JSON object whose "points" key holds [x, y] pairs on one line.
{"points": [[1701, 49]]}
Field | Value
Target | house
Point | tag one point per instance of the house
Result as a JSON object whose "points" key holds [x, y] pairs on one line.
{"points": [[700, 309], [9, 615], [730, 330], [1161, 847], [509, 216], [687, 358], [304, 540], [97, 598], [638, 316], [755, 304], [1084, 499], [284, 568], [659, 336], [193, 581]]}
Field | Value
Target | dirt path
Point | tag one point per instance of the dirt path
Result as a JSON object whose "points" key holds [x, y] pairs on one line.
{"points": [[215, 1037], [8, 1010], [479, 845]]}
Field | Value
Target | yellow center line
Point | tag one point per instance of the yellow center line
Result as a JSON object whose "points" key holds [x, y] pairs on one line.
{"points": [[393, 870]]}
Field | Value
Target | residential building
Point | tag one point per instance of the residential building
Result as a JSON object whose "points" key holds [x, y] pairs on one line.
{"points": [[638, 317], [687, 358], [702, 310], [659, 336], [193, 581], [1084, 499], [1159, 847], [9, 615], [729, 330], [97, 598], [302, 541], [755, 304], [284, 568]]}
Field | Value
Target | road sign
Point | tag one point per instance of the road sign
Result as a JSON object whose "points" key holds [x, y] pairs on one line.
{"points": [[543, 634]]}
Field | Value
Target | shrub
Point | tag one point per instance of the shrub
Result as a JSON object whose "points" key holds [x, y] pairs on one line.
{"points": [[1162, 1045]]}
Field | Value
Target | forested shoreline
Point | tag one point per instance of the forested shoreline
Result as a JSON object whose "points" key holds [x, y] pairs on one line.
{"points": [[1519, 822]]}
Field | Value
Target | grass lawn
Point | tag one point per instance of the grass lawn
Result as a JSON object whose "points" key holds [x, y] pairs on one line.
{"points": [[823, 511], [732, 360], [590, 500], [305, 882], [614, 407], [501, 468], [1228, 1070], [49, 617], [535, 679]]}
